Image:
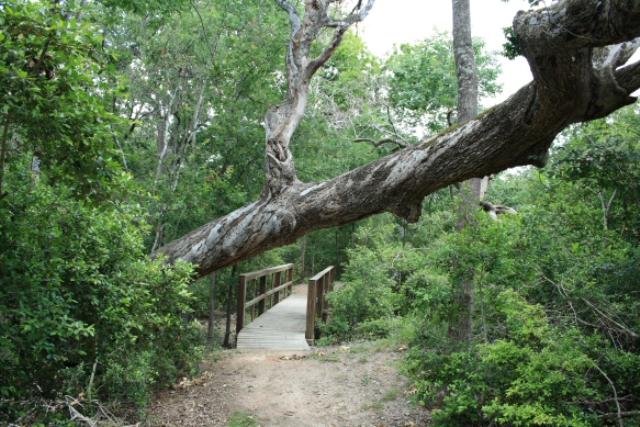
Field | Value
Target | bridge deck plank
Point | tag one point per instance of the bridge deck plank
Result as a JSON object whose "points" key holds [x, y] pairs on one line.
{"points": [[279, 328]]}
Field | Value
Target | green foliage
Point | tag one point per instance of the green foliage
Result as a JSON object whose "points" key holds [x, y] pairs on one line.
{"points": [[348, 86], [206, 76], [421, 83], [529, 377], [350, 70], [512, 48], [240, 419], [77, 290], [523, 369], [83, 311], [424, 84], [362, 306], [93, 91], [55, 95], [604, 160], [554, 317], [155, 8]]}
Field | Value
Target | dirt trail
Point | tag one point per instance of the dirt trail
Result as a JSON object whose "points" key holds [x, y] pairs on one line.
{"points": [[336, 386]]}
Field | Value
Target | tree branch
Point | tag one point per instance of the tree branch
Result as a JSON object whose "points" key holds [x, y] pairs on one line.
{"points": [[294, 18], [575, 24], [324, 57], [629, 77], [557, 41], [616, 55], [382, 141], [3, 149], [620, 414], [615, 394], [494, 210], [281, 121]]}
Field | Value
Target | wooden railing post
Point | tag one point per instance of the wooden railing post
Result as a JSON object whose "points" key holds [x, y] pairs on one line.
{"points": [[290, 280], [328, 288], [242, 296], [317, 304], [262, 288], [325, 303], [311, 312], [277, 281], [320, 292], [269, 287]]}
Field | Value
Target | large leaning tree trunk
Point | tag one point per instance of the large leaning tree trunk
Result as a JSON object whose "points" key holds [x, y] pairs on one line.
{"points": [[576, 50]]}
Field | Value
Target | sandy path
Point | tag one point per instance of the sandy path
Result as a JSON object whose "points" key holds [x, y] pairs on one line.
{"points": [[331, 387]]}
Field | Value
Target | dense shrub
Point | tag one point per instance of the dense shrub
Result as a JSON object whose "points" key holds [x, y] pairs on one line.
{"points": [[84, 312], [534, 375], [367, 298], [77, 290], [555, 314]]}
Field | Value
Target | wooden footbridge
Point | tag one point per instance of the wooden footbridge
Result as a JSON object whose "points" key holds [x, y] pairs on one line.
{"points": [[273, 314]]}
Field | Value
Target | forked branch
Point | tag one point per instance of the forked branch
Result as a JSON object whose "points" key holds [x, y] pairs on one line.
{"points": [[282, 121]]}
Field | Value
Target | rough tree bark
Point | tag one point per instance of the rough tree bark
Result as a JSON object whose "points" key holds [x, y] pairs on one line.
{"points": [[461, 328], [230, 286], [212, 309], [576, 50], [465, 60], [281, 121]]}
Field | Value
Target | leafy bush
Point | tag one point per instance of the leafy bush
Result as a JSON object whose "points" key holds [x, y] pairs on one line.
{"points": [[77, 290], [367, 296], [527, 365], [83, 310], [535, 375], [554, 319]]}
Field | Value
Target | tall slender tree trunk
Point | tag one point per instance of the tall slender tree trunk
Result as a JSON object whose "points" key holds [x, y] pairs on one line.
{"points": [[3, 149], [170, 141], [472, 190], [212, 308], [337, 262], [227, 331]]}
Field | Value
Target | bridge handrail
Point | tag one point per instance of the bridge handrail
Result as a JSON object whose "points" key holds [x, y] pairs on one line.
{"points": [[317, 306], [259, 273], [322, 273], [260, 292]]}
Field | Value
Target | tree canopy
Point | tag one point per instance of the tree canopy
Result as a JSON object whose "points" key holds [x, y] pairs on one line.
{"points": [[144, 145]]}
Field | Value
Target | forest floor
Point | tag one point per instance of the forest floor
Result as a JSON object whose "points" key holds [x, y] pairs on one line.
{"points": [[330, 386]]}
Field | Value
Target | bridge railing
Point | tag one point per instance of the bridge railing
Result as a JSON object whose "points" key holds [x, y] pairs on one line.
{"points": [[264, 289], [317, 306]]}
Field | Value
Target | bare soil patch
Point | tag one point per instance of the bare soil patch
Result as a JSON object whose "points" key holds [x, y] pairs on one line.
{"points": [[332, 386]]}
